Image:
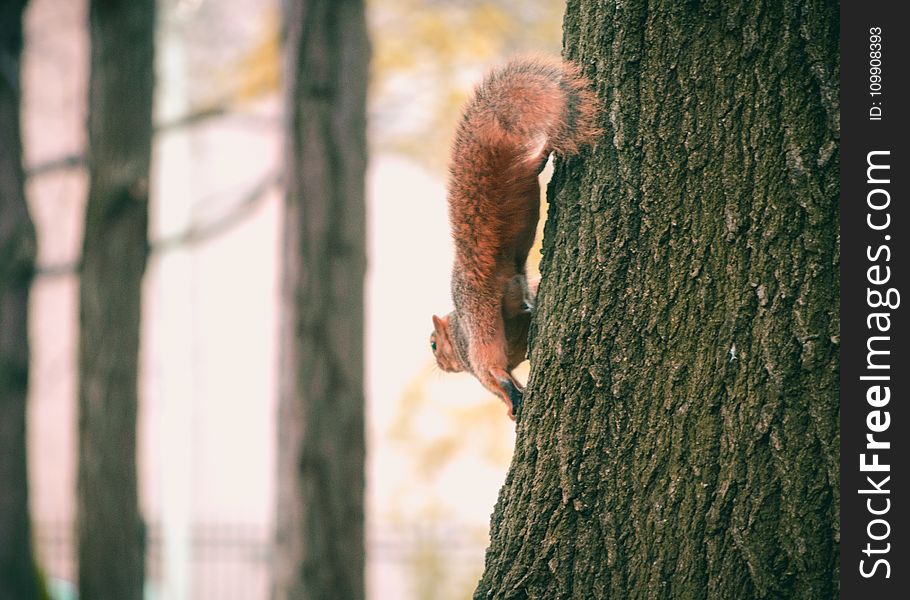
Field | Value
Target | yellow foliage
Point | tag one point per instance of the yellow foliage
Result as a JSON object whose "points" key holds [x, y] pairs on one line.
{"points": [[427, 55], [259, 71]]}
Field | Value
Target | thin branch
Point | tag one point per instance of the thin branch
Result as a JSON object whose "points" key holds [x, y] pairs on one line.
{"points": [[57, 270], [195, 233], [78, 159], [61, 163], [193, 118]]}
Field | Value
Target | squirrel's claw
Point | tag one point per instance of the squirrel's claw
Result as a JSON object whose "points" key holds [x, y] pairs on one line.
{"points": [[512, 395]]}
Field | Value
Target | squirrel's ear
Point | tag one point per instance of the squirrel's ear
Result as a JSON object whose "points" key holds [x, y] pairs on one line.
{"points": [[441, 324]]}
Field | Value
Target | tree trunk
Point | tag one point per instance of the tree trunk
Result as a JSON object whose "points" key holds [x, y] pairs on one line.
{"points": [[110, 529], [680, 433], [18, 577], [320, 512]]}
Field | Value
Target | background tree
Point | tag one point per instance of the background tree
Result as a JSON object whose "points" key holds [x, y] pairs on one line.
{"points": [[680, 434], [320, 512], [18, 577], [110, 529]]}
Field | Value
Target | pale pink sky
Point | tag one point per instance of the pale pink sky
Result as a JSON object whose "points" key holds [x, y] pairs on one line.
{"points": [[209, 359]]}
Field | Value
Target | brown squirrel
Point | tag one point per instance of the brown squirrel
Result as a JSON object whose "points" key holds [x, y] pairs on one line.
{"points": [[519, 115]]}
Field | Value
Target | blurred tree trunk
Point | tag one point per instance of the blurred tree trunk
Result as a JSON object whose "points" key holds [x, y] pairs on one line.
{"points": [[110, 529], [680, 434], [18, 577], [320, 545]]}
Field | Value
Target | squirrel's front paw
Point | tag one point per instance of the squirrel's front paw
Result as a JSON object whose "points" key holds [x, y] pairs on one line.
{"points": [[510, 392], [489, 364], [515, 395]]}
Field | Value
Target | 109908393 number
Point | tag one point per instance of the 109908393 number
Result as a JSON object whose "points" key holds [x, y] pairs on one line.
{"points": [[875, 73]]}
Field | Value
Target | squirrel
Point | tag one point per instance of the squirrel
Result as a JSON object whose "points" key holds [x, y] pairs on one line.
{"points": [[518, 115]]}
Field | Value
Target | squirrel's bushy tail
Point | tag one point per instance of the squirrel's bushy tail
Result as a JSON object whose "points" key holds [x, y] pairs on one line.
{"points": [[578, 126], [534, 103]]}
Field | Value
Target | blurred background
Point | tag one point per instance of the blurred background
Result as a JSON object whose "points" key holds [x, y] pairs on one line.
{"points": [[438, 445]]}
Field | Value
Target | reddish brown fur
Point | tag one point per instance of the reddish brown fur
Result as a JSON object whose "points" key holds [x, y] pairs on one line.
{"points": [[518, 116]]}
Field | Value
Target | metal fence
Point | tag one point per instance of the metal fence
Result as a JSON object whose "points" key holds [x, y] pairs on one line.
{"points": [[233, 561], [228, 561]]}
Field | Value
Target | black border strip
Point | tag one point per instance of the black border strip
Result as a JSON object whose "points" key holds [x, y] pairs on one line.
{"points": [[864, 248]]}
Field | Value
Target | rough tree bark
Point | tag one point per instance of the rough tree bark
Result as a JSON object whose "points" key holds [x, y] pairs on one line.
{"points": [[680, 433], [18, 577], [110, 528], [320, 520]]}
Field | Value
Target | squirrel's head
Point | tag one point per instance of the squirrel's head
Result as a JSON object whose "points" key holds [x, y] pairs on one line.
{"points": [[441, 344]]}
